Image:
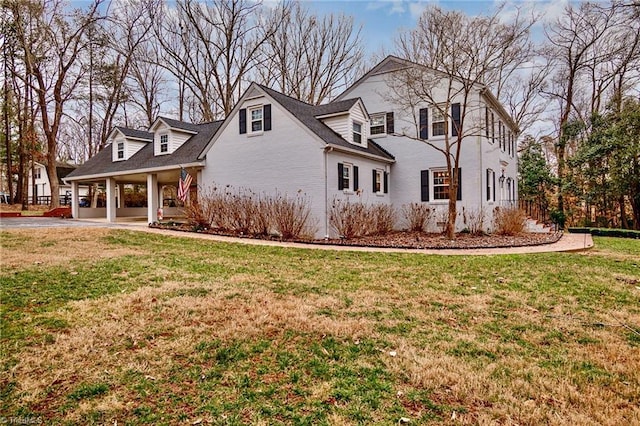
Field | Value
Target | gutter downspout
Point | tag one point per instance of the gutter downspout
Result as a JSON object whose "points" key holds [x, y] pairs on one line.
{"points": [[327, 150]]}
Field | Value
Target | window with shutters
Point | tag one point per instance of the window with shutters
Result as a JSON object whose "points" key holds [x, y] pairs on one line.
{"points": [[378, 124], [120, 150], [379, 181], [164, 143], [438, 127], [347, 172], [357, 132]]}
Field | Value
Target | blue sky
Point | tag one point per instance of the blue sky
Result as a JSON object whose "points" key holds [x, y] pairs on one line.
{"points": [[381, 19]]}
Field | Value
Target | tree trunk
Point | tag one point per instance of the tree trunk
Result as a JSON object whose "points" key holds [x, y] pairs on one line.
{"points": [[623, 213]]}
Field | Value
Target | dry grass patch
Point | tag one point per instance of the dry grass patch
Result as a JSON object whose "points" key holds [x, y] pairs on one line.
{"points": [[56, 246]]}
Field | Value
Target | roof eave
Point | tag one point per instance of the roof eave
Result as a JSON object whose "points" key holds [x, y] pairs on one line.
{"points": [[345, 149], [134, 171]]}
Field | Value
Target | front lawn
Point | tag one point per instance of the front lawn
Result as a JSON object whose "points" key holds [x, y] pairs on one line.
{"points": [[100, 326]]}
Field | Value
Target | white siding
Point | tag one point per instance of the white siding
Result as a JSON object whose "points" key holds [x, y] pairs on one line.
{"points": [[176, 139], [340, 124], [131, 147], [356, 114]]}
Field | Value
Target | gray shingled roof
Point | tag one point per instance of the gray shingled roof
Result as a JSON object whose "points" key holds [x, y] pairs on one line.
{"points": [[102, 162], [175, 124], [307, 114], [137, 134]]}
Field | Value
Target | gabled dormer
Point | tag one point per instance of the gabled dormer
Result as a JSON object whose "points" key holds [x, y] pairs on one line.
{"points": [[348, 118], [126, 142], [169, 135]]}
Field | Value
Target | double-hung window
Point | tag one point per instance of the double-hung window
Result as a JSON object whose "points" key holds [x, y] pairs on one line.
{"points": [[120, 150], [164, 143], [378, 124], [36, 173], [441, 182], [255, 115], [357, 132], [491, 185], [347, 177], [438, 127], [377, 181]]}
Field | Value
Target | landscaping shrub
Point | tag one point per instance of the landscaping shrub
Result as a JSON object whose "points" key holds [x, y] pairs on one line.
{"points": [[383, 217], [291, 216], [474, 220], [509, 221], [349, 219], [416, 216]]}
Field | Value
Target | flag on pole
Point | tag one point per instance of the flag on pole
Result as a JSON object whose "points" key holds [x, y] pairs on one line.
{"points": [[183, 185]]}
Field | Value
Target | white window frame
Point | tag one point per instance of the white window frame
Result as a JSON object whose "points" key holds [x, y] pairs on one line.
{"points": [[438, 117], [355, 133], [120, 150], [490, 184], [165, 143], [251, 120], [37, 173], [380, 129], [347, 169], [379, 182], [433, 185]]}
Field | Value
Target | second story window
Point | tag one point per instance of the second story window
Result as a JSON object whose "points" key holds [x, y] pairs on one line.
{"points": [[164, 143], [438, 124], [357, 132], [36, 173], [120, 150], [378, 124]]}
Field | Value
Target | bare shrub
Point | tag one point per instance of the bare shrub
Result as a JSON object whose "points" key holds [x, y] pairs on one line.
{"points": [[474, 220], [291, 216], [348, 219], [509, 221], [416, 216], [383, 217]]}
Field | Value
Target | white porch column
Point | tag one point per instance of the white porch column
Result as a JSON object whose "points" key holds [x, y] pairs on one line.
{"points": [[111, 199], [75, 204], [152, 198]]}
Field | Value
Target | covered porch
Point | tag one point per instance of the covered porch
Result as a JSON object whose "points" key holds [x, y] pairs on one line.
{"points": [[161, 187]]}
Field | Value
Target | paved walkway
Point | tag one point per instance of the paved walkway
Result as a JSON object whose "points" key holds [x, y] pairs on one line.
{"points": [[568, 242]]}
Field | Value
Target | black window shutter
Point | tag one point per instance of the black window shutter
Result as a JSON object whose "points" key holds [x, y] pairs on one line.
{"points": [[266, 111], [390, 128], [455, 116], [243, 120], [340, 172], [356, 186], [488, 185], [424, 185], [374, 174], [459, 197], [494, 185], [386, 182], [424, 124]]}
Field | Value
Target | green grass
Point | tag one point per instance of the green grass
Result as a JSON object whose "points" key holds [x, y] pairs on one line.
{"points": [[212, 331]]}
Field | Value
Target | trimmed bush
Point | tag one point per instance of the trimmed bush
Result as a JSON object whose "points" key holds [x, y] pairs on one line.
{"points": [[607, 232], [355, 219]]}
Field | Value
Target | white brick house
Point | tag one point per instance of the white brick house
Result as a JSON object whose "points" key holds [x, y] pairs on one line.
{"points": [[361, 148]]}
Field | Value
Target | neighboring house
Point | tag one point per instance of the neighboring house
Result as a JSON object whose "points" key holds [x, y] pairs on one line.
{"points": [[40, 188], [357, 148]]}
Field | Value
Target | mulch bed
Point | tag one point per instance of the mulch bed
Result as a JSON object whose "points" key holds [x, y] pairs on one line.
{"points": [[402, 239]]}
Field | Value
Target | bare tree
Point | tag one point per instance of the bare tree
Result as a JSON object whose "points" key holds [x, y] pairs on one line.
{"points": [[51, 40], [455, 55], [210, 47], [310, 57]]}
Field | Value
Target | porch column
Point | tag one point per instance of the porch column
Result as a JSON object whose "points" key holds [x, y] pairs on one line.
{"points": [[111, 199], [75, 204], [152, 198]]}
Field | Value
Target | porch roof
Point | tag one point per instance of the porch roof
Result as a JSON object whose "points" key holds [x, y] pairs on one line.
{"points": [[102, 164]]}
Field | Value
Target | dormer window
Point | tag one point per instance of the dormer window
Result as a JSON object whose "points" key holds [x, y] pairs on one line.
{"points": [[164, 143], [357, 132], [120, 150], [378, 124]]}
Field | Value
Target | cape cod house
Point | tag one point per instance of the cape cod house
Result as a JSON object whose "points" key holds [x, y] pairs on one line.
{"points": [[39, 186], [358, 148]]}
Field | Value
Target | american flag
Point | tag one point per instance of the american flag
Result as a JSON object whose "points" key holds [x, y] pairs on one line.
{"points": [[183, 185]]}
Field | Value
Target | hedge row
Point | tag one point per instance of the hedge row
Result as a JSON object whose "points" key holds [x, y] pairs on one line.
{"points": [[607, 232]]}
